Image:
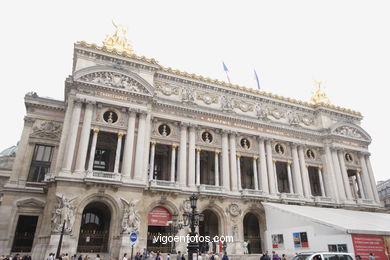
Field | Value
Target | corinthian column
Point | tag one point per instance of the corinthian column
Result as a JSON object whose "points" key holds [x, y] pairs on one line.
{"points": [[360, 185], [290, 185], [72, 136], [225, 162], [296, 171], [129, 146], [93, 149], [270, 168], [337, 171], [198, 166], [151, 161], [275, 176], [239, 172], [366, 179], [255, 179], [140, 147], [372, 178], [304, 172], [233, 163], [191, 159], [216, 168], [173, 163], [183, 155], [84, 139], [263, 167], [118, 152], [344, 175]]}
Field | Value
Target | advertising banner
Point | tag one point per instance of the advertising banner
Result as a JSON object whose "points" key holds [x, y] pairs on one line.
{"points": [[364, 245], [159, 216]]}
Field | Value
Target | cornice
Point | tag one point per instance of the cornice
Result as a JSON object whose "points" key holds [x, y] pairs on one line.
{"points": [[194, 79]]}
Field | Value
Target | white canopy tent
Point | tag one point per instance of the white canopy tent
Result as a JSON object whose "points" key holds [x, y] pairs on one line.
{"points": [[349, 221]]}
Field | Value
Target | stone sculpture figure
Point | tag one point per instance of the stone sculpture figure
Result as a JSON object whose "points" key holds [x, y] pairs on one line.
{"points": [[131, 218], [187, 95], [64, 213], [226, 103]]}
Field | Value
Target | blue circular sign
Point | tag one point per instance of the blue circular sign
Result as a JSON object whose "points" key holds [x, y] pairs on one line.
{"points": [[133, 237]]}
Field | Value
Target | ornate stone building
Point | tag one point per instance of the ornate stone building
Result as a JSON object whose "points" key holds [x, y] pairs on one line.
{"points": [[383, 188], [133, 140]]}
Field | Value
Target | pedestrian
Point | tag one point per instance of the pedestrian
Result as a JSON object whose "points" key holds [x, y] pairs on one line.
{"points": [[138, 256], [97, 257], [158, 257], [371, 256], [80, 257], [358, 257], [275, 256], [86, 257], [145, 254], [265, 256], [124, 256], [168, 256], [284, 257], [224, 246], [16, 257], [183, 257], [200, 256], [225, 256], [178, 257]]}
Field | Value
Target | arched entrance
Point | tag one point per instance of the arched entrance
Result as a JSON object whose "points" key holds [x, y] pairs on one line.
{"points": [[208, 227], [95, 228], [159, 230], [252, 233]]}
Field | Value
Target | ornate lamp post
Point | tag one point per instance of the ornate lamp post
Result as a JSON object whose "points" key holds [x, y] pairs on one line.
{"points": [[175, 225], [192, 219]]}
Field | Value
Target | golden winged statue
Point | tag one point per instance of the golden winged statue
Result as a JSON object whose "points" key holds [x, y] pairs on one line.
{"points": [[118, 40], [319, 96]]}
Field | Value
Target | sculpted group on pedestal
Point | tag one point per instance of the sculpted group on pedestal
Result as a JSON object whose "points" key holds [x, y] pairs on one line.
{"points": [[63, 215]]}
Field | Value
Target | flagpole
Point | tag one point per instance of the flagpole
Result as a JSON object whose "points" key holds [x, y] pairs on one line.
{"points": [[226, 71]]}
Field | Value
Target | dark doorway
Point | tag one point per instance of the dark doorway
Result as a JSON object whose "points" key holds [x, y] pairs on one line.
{"points": [[252, 233], [282, 177], [314, 178], [208, 227], [24, 234], [95, 227], [246, 168], [207, 168]]}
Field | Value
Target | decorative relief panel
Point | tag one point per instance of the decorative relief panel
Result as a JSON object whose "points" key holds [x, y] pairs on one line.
{"points": [[207, 98], [262, 112], [112, 79], [349, 132], [243, 105], [226, 104], [233, 210], [187, 95], [167, 89], [47, 129]]}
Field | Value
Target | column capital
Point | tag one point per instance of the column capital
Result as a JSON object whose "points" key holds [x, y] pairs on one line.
{"points": [[273, 160], [225, 132], [95, 130], [255, 158], [320, 167], [132, 110], [192, 126], [120, 134], [294, 145], [184, 125], [78, 101], [358, 171], [289, 163], [153, 143], [198, 150], [238, 156], [90, 102], [174, 146], [217, 152]]}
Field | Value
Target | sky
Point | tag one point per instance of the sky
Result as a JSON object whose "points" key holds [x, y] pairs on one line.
{"points": [[345, 44]]}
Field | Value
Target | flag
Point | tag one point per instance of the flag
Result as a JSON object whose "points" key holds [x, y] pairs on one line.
{"points": [[226, 71], [257, 80]]}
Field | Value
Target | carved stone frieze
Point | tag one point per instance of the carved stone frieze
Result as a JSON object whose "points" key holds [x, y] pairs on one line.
{"points": [[243, 105], [47, 129], [116, 80], [277, 113], [187, 95], [207, 98], [226, 104], [262, 112], [293, 118], [307, 120], [167, 89], [348, 131]]}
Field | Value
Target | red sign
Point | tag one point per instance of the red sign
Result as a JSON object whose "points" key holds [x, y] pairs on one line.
{"points": [[364, 245], [159, 216]]}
